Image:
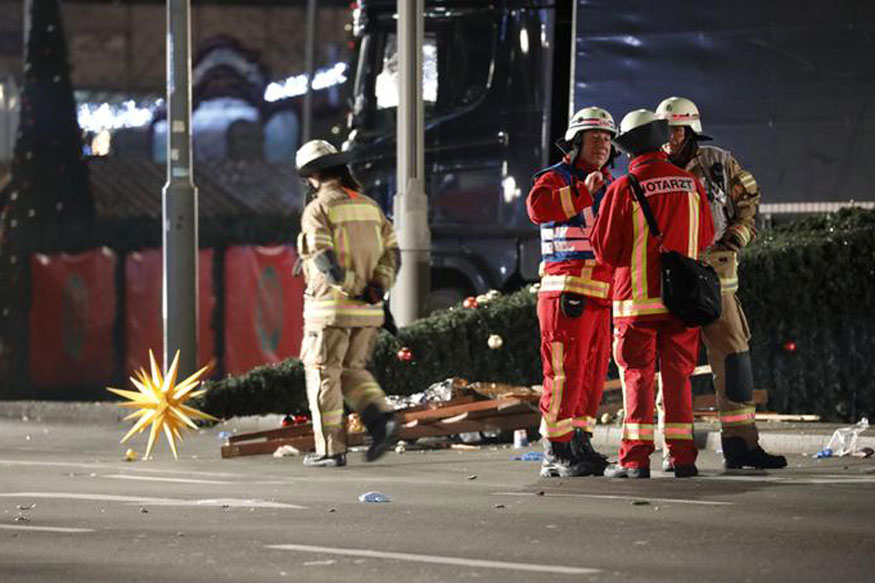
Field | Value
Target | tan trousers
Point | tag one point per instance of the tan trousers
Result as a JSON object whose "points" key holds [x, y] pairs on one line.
{"points": [[334, 360], [727, 342]]}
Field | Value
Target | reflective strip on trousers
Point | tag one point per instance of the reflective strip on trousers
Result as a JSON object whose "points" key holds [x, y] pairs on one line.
{"points": [[743, 416], [678, 431], [639, 431]]}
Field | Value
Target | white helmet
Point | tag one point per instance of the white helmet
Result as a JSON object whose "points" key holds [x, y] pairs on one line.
{"points": [[641, 131], [318, 155], [590, 118], [680, 111]]}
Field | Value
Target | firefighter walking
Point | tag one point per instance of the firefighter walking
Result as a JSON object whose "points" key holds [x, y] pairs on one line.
{"points": [[349, 256], [734, 196], [573, 300], [646, 335]]}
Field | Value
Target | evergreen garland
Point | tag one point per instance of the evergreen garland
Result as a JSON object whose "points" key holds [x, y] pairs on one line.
{"points": [[808, 283]]}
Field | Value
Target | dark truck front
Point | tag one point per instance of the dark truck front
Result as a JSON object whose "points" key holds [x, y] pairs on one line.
{"points": [[488, 86]]}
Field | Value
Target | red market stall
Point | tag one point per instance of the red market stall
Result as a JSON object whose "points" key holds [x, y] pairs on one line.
{"points": [[144, 326], [264, 306], [71, 318]]}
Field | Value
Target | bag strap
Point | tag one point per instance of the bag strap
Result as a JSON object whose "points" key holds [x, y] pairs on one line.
{"points": [[645, 208]]}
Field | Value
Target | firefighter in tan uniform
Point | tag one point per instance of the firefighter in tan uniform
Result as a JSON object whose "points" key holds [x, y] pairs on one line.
{"points": [[350, 258], [734, 196]]}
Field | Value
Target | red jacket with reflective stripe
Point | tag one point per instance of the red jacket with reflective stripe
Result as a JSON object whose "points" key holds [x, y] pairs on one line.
{"points": [[622, 239], [550, 200]]}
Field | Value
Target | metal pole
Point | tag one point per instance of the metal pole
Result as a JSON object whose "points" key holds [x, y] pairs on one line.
{"points": [[309, 51], [573, 69], [179, 198], [411, 205]]}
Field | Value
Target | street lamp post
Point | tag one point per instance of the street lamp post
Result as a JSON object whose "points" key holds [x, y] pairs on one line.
{"points": [[411, 205], [179, 199]]}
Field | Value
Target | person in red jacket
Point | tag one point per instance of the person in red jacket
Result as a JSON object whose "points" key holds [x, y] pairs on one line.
{"points": [[573, 300], [647, 336]]}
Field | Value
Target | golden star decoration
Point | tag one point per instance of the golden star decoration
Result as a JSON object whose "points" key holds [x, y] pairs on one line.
{"points": [[161, 402]]}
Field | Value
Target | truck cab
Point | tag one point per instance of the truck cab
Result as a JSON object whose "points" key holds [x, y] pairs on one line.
{"points": [[495, 92]]}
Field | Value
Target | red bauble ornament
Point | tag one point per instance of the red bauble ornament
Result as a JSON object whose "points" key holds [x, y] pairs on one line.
{"points": [[470, 302], [790, 346], [287, 420], [300, 419], [405, 354]]}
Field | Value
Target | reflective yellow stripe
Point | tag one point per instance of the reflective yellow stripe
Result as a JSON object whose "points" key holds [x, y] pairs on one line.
{"points": [[728, 285], [332, 418], [318, 241], [747, 181], [639, 431], [742, 232], [585, 423], [571, 283], [557, 429], [743, 416], [626, 308], [346, 307], [558, 380], [693, 236], [567, 202], [678, 430], [379, 237], [638, 271], [353, 212]]}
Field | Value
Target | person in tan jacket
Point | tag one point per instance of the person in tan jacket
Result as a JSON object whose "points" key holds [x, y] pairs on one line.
{"points": [[350, 258], [734, 196]]}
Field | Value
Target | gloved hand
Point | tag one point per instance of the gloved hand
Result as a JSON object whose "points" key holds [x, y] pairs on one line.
{"points": [[571, 304], [373, 293]]}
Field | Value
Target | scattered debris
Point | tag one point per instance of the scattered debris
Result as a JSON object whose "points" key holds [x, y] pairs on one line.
{"points": [[825, 452], [26, 507], [332, 509], [472, 477], [464, 446], [499, 506], [529, 456], [143, 510], [640, 503], [520, 439], [864, 452], [375, 497], [844, 440], [539, 493], [319, 563], [22, 518], [286, 451], [401, 447], [131, 455]]}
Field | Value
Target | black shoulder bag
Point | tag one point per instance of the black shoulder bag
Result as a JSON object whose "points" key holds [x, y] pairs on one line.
{"points": [[690, 288]]}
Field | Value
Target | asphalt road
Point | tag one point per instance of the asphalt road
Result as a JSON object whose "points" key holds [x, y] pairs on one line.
{"points": [[71, 510]]}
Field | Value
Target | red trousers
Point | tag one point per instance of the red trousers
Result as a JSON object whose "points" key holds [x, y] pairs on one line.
{"points": [[638, 349], [574, 357]]}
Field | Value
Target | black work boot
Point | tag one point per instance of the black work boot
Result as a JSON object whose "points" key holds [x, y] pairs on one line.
{"points": [[737, 455], [560, 461], [383, 429], [320, 460], [593, 462]]}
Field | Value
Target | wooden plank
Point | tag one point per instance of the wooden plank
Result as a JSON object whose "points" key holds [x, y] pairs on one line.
{"points": [[278, 433], [498, 422], [303, 443], [452, 410]]}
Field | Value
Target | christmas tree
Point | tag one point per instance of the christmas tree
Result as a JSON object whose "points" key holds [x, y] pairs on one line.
{"points": [[47, 206]]}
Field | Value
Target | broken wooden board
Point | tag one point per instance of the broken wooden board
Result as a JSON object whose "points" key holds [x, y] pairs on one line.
{"points": [[437, 420]]}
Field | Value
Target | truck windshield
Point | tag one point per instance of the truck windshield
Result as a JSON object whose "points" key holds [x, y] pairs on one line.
{"points": [[457, 57]]}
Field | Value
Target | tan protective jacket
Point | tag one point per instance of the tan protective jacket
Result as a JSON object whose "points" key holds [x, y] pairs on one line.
{"points": [[735, 197], [354, 227]]}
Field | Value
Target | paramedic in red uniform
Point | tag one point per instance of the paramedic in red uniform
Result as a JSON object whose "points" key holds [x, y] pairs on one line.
{"points": [[574, 297], [646, 336]]}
